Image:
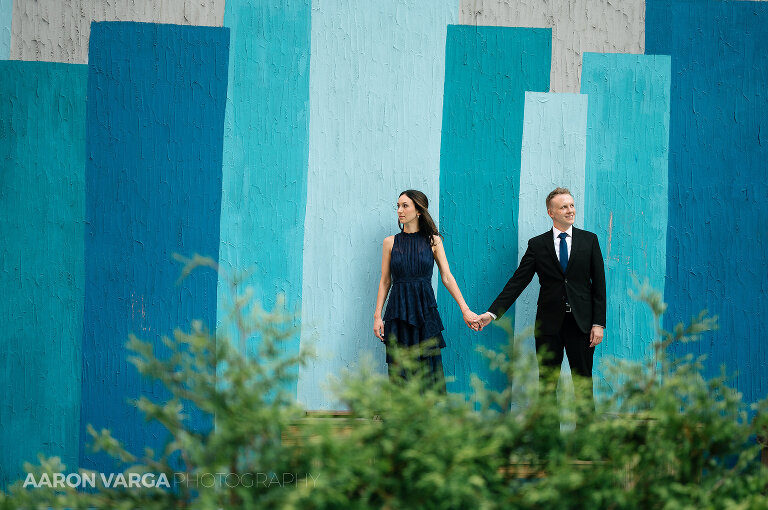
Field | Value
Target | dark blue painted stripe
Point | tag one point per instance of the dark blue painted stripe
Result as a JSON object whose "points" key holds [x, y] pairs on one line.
{"points": [[155, 116], [717, 242]]}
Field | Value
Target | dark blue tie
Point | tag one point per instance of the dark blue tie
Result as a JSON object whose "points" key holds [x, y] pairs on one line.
{"points": [[563, 251]]}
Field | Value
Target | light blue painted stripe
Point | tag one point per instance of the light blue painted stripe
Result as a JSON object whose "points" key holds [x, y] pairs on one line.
{"points": [[376, 78], [553, 154], [42, 206], [266, 144], [6, 17], [626, 187], [488, 70]]}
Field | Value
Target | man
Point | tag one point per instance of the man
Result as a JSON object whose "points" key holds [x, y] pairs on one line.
{"points": [[570, 312]]}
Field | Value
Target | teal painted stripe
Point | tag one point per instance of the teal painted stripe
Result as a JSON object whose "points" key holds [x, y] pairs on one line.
{"points": [[553, 154], [627, 187], [488, 70], [376, 101], [266, 143], [42, 149], [6, 16]]}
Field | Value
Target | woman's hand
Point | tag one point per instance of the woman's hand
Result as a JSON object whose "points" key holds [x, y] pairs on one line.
{"points": [[471, 319], [378, 328], [384, 284]]}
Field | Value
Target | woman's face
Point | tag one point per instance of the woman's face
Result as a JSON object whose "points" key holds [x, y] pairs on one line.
{"points": [[406, 211]]}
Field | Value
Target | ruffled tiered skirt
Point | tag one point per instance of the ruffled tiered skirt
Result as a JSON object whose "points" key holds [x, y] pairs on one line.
{"points": [[411, 319]]}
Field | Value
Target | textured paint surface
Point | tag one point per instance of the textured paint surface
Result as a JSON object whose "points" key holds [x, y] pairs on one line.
{"points": [[577, 26], [626, 188], [553, 154], [266, 144], [375, 90], [718, 178], [488, 70], [6, 12], [42, 153], [376, 81], [58, 31], [155, 116]]}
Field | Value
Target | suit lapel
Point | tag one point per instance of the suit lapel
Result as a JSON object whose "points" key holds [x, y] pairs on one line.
{"points": [[550, 243], [575, 246]]}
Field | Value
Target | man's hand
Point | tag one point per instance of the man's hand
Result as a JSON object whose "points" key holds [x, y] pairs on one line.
{"points": [[595, 336], [482, 321]]}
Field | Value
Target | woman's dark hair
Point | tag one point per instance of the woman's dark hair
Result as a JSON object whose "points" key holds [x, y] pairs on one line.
{"points": [[427, 226]]}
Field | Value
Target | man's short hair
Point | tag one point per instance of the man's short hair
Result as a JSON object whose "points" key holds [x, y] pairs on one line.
{"points": [[557, 191]]}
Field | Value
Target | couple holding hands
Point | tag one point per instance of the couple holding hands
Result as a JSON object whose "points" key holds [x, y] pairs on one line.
{"points": [[571, 307]]}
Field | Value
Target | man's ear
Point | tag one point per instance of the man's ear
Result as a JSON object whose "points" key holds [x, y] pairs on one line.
{"points": [[549, 212]]}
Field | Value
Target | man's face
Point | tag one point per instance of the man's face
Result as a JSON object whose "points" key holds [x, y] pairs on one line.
{"points": [[562, 210]]}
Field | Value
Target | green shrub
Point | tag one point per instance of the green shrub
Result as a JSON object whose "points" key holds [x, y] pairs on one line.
{"points": [[665, 438]]}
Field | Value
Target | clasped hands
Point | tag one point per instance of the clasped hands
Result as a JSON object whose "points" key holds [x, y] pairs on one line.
{"points": [[472, 320], [476, 322]]}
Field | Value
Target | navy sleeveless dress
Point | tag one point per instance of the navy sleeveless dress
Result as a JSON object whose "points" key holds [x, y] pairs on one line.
{"points": [[411, 316]]}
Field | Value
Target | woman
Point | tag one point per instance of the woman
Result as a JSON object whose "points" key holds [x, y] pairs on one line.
{"points": [[407, 261]]}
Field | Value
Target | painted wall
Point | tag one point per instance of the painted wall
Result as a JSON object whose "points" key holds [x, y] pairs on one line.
{"points": [[277, 135]]}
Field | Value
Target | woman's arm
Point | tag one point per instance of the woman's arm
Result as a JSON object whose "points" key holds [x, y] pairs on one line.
{"points": [[384, 283], [470, 318]]}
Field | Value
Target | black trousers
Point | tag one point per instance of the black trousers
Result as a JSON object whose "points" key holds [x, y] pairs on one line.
{"points": [[575, 343]]}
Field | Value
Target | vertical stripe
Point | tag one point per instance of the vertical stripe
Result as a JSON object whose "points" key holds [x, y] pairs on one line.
{"points": [[488, 70], [155, 117], [42, 149], [54, 31], [578, 26], [266, 144], [376, 81], [626, 188], [718, 242], [6, 12], [552, 155]]}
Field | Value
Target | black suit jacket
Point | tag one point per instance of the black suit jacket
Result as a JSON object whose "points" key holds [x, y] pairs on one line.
{"points": [[583, 284]]}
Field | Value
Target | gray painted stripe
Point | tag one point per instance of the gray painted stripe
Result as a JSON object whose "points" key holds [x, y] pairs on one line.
{"points": [[577, 26], [56, 31]]}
